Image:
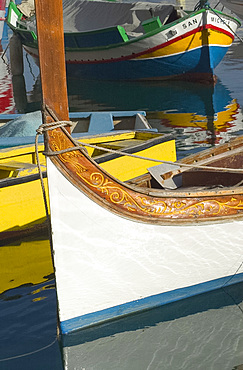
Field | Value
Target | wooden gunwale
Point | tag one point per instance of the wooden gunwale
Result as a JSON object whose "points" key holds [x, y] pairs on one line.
{"points": [[148, 143], [234, 143], [139, 204]]}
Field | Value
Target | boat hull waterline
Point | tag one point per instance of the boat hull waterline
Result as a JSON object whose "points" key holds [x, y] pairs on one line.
{"points": [[130, 252]]}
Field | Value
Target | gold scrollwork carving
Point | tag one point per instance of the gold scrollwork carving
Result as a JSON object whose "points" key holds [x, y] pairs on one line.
{"points": [[134, 202]]}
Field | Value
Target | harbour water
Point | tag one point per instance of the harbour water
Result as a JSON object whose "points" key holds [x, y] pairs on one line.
{"points": [[204, 332]]}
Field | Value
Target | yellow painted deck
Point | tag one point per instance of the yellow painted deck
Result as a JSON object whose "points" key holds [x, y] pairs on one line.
{"points": [[22, 204]]}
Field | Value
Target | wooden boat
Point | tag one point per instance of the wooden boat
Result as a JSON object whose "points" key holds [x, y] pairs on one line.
{"points": [[123, 248], [236, 6], [20, 129], [133, 41], [21, 195]]}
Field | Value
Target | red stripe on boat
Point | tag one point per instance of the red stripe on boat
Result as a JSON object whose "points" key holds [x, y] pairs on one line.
{"points": [[161, 46]]}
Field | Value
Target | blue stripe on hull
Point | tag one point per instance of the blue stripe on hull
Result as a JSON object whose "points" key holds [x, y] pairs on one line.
{"points": [[89, 320], [201, 60]]}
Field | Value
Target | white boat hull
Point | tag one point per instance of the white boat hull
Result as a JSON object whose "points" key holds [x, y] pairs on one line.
{"points": [[108, 266]]}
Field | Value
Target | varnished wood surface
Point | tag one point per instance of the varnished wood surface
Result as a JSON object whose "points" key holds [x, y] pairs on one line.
{"points": [[210, 154], [49, 18], [148, 205]]}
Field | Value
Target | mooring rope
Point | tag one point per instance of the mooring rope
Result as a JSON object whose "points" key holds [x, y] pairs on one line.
{"points": [[28, 353], [41, 177], [205, 5], [45, 127], [241, 40], [227, 282], [79, 144]]}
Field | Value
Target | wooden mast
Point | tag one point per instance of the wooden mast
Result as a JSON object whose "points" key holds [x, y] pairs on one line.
{"points": [[49, 18], [50, 34]]}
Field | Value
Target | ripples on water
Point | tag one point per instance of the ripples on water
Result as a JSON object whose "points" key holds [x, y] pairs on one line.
{"points": [[203, 332]]}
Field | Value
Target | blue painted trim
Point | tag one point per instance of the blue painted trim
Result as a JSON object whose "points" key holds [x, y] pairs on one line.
{"points": [[200, 60], [9, 117], [96, 318], [100, 123]]}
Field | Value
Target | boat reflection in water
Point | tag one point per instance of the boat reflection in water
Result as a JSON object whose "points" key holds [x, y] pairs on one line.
{"points": [[25, 263], [28, 306], [7, 104], [199, 115]]}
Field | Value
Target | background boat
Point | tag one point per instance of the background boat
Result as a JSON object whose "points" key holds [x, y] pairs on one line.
{"points": [[144, 41]]}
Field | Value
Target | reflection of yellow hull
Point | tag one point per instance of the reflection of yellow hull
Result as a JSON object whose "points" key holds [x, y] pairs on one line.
{"points": [[22, 205], [27, 263], [220, 121]]}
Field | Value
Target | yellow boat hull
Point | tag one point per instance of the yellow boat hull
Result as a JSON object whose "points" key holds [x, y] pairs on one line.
{"points": [[22, 207]]}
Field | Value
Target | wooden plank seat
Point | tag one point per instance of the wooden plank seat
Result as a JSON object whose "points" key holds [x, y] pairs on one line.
{"points": [[16, 169]]}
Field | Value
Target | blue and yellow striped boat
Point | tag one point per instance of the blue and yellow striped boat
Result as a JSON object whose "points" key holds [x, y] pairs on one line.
{"points": [[136, 41]]}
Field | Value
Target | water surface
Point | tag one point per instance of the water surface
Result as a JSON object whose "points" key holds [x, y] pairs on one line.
{"points": [[199, 333]]}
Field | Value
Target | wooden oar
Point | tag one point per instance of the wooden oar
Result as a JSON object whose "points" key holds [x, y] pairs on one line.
{"points": [[49, 18]]}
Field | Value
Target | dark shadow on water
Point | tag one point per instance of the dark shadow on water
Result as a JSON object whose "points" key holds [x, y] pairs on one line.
{"points": [[228, 296]]}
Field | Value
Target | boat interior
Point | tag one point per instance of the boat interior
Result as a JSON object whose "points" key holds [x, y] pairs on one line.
{"points": [[95, 15], [99, 23], [228, 172], [21, 161]]}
